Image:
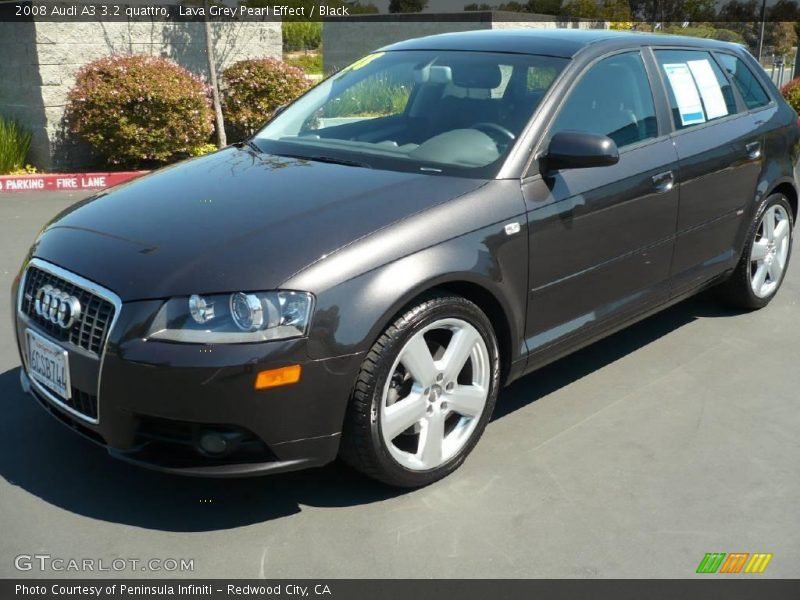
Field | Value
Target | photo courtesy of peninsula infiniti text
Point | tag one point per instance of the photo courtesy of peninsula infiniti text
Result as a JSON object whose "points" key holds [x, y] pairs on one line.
{"points": [[361, 284]]}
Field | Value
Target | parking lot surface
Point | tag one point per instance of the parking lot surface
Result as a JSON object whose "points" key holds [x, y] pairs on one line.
{"points": [[631, 458]]}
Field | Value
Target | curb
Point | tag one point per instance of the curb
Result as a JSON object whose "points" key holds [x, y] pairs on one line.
{"points": [[65, 182]]}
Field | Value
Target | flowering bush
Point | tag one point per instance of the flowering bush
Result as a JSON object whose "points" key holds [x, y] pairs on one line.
{"points": [[791, 91], [138, 109], [253, 88]]}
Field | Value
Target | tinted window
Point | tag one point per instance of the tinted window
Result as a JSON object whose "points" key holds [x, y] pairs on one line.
{"points": [[613, 98], [697, 88], [751, 90], [428, 111]]}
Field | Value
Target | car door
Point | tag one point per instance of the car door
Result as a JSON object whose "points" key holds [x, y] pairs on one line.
{"points": [[601, 238], [719, 160]]}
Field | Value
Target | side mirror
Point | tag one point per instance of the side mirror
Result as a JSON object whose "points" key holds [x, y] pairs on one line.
{"points": [[577, 150]]}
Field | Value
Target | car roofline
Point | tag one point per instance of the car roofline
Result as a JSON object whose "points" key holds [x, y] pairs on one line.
{"points": [[561, 43]]}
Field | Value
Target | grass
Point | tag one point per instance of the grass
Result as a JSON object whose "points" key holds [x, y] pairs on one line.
{"points": [[376, 96], [311, 63], [14, 145]]}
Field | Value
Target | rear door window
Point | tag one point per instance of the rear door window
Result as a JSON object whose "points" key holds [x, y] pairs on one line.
{"points": [[745, 81], [697, 88]]}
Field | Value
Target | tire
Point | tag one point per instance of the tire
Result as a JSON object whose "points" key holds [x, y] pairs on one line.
{"points": [[415, 415], [744, 289]]}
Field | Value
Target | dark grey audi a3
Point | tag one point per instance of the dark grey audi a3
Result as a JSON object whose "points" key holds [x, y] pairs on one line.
{"points": [[360, 282]]}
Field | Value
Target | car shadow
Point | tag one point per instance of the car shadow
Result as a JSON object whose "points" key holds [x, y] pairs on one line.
{"points": [[579, 364], [39, 455]]}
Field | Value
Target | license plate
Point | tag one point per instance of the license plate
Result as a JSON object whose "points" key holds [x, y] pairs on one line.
{"points": [[48, 364]]}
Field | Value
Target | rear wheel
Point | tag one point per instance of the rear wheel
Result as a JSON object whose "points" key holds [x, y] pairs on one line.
{"points": [[424, 394], [765, 258]]}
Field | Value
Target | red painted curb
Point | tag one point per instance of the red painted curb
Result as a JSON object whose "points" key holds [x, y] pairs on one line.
{"points": [[65, 182]]}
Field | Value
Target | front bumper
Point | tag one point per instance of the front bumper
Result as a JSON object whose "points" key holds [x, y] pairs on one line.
{"points": [[155, 398]]}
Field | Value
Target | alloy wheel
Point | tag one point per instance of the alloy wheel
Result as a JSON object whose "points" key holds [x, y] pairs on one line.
{"points": [[435, 394], [770, 251]]}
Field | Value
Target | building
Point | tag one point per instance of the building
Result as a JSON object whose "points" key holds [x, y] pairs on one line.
{"points": [[39, 59]]}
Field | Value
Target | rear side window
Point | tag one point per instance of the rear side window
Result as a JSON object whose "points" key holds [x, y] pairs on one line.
{"points": [[746, 82], [612, 98], [697, 88]]}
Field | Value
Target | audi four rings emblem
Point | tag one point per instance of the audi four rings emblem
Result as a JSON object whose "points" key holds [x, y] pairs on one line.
{"points": [[56, 306]]}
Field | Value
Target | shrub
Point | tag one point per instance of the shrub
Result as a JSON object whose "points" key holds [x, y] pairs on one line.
{"points": [[301, 35], [253, 88], [791, 91], [14, 145], [203, 149], [138, 109]]}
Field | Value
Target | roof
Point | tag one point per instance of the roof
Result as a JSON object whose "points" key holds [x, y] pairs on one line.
{"points": [[552, 42]]}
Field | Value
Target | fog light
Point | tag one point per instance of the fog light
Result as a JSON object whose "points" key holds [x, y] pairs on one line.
{"points": [[276, 377], [214, 442]]}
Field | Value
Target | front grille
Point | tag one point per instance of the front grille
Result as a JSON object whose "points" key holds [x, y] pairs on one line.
{"points": [[68, 420], [89, 331], [83, 402]]}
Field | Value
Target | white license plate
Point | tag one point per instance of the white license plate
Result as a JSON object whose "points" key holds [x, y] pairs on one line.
{"points": [[48, 364]]}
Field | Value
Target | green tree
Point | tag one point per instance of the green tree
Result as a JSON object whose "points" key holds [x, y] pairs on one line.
{"points": [[673, 11], [618, 13], [541, 7], [742, 17], [545, 7], [786, 11], [357, 8], [582, 9], [782, 36], [407, 6]]}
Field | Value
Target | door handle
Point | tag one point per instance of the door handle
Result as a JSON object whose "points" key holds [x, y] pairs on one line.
{"points": [[753, 150], [663, 182]]}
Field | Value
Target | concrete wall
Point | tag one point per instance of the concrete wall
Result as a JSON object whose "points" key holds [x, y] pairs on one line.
{"points": [[345, 40], [20, 82], [38, 62]]}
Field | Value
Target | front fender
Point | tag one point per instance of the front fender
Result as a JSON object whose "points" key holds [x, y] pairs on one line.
{"points": [[361, 289]]}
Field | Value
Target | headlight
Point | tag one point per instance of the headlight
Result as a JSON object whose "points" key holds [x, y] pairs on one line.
{"points": [[233, 318]]}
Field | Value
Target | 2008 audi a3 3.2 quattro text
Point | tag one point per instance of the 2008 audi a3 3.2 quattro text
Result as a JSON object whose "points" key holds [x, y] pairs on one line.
{"points": [[360, 277]]}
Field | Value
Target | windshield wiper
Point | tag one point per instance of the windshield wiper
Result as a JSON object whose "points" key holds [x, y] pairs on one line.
{"points": [[250, 144], [328, 159]]}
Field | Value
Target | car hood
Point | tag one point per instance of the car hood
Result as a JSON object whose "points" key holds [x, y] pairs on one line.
{"points": [[233, 220]]}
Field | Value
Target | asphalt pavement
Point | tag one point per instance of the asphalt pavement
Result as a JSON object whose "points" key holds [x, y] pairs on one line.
{"points": [[631, 458]]}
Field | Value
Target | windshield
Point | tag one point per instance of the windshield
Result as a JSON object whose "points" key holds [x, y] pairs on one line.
{"points": [[456, 113]]}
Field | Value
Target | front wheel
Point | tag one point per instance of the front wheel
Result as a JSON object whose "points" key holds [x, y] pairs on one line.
{"points": [[425, 392], [765, 258]]}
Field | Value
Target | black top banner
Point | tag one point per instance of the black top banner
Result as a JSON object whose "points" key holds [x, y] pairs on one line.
{"points": [[666, 12]]}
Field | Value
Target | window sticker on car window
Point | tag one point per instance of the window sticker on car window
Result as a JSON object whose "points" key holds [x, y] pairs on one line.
{"points": [[710, 91], [683, 87]]}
